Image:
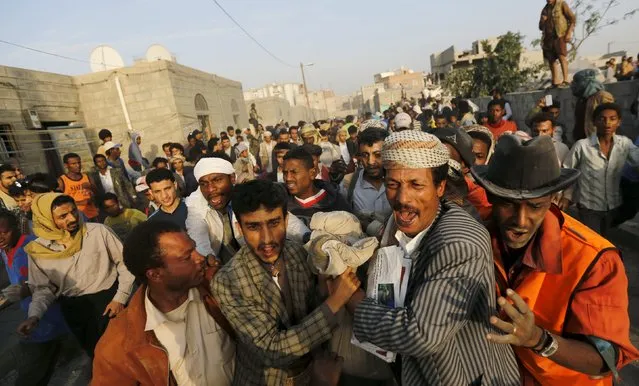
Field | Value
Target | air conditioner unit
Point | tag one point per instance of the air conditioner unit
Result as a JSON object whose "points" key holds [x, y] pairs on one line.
{"points": [[32, 119]]}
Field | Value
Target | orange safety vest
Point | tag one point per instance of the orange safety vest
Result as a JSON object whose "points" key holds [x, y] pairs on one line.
{"points": [[82, 197], [550, 295]]}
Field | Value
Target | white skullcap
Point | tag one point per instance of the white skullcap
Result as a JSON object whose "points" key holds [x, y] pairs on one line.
{"points": [[403, 120], [373, 123], [413, 149], [267, 133], [212, 165], [241, 147]]}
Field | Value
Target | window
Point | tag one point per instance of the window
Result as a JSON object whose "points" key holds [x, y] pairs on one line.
{"points": [[200, 103], [7, 145]]}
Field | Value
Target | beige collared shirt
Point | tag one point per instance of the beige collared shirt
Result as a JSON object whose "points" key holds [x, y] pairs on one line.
{"points": [[93, 269], [200, 352]]}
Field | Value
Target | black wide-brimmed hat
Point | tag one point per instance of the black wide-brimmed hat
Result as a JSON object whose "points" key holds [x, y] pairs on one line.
{"points": [[523, 169]]}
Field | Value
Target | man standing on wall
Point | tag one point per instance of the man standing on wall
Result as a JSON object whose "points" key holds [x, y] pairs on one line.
{"points": [[557, 24]]}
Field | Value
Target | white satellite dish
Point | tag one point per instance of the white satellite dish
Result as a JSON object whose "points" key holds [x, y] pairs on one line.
{"points": [[158, 52], [105, 58]]}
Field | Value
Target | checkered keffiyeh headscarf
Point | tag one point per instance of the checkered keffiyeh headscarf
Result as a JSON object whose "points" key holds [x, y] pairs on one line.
{"points": [[413, 149]]}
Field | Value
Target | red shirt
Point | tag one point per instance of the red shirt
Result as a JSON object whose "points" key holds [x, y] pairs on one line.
{"points": [[477, 197], [501, 127]]}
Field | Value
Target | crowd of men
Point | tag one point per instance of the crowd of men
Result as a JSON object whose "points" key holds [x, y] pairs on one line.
{"points": [[195, 268]]}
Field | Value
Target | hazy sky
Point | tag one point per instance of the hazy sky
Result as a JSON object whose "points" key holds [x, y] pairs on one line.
{"points": [[348, 40]]}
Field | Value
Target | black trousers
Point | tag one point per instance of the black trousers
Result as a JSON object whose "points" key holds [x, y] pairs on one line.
{"points": [[36, 362], [83, 315]]}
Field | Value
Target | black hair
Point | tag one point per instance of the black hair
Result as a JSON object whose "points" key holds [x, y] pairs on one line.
{"points": [[41, 183], [371, 136], [68, 156], [313, 150], [542, 117], [283, 131], [104, 133], [352, 130], [229, 128], [495, 102], [440, 116], [18, 189], [428, 114], [61, 200], [250, 196], [496, 90], [463, 106], [368, 115], [158, 175], [12, 221], [211, 144], [301, 123], [167, 144], [159, 160], [481, 136], [141, 250], [98, 155], [177, 146], [107, 196], [323, 133], [293, 128], [6, 168], [282, 146], [299, 153], [349, 119], [239, 137], [606, 106], [440, 173], [555, 105], [238, 131], [218, 154]]}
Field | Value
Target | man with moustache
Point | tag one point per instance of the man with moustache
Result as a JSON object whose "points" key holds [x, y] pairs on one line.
{"points": [[563, 289], [440, 332], [210, 221], [364, 189], [270, 295], [78, 264]]}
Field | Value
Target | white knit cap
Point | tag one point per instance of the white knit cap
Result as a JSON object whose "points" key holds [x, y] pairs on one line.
{"points": [[403, 120], [212, 165], [413, 149], [241, 147]]}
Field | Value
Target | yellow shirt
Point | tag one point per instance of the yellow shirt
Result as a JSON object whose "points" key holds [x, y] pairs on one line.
{"points": [[125, 222]]}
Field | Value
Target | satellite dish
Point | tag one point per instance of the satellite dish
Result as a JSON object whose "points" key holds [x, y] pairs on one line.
{"points": [[158, 52], [105, 58]]}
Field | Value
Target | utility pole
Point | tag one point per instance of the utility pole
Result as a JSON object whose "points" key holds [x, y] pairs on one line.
{"points": [[308, 103], [609, 45]]}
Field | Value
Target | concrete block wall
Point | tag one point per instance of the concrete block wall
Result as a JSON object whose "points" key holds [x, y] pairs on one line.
{"points": [[148, 95], [624, 92], [53, 96], [224, 97]]}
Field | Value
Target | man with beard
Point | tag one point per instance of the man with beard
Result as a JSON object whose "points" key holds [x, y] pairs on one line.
{"points": [[440, 332], [270, 295], [496, 122], [211, 222], [364, 189], [172, 330], [79, 264], [307, 194], [563, 289]]}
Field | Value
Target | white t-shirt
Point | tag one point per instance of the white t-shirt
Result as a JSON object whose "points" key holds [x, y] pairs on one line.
{"points": [[107, 181]]}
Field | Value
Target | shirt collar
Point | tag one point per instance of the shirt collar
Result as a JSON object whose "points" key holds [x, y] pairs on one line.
{"points": [[594, 140], [408, 244], [155, 317]]}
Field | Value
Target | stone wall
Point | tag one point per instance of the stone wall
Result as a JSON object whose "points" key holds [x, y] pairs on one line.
{"points": [[53, 96], [624, 92]]}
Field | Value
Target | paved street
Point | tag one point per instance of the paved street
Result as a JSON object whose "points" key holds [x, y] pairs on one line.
{"points": [[73, 366]]}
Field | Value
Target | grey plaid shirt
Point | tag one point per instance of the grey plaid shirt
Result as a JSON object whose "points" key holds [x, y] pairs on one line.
{"points": [[268, 340]]}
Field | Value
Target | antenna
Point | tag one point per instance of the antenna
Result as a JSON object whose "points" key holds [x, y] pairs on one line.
{"points": [[158, 52], [105, 58]]}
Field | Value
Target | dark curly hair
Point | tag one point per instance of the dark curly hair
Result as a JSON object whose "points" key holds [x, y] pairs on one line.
{"points": [[250, 196]]}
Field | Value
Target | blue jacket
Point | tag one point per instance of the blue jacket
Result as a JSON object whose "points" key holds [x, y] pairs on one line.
{"points": [[52, 323]]}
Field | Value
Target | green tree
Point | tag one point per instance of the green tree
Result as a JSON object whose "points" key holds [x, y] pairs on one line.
{"points": [[499, 69]]}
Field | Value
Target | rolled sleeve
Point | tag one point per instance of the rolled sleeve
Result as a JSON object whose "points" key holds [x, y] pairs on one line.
{"points": [[600, 306], [43, 291]]}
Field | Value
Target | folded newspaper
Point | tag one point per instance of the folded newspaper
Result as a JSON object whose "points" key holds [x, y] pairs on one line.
{"points": [[388, 274]]}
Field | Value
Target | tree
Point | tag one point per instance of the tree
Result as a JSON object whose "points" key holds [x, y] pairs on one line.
{"points": [[592, 17], [499, 69]]}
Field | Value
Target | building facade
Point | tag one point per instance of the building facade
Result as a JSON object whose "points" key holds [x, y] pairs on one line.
{"points": [[161, 100]]}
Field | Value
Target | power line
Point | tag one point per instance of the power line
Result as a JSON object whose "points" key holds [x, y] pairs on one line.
{"points": [[53, 54], [251, 36]]}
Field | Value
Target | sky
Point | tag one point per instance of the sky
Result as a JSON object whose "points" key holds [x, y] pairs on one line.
{"points": [[347, 40]]}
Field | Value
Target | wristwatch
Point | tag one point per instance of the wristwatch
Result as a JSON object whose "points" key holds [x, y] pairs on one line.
{"points": [[550, 346]]}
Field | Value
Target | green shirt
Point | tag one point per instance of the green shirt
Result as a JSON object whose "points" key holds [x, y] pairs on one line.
{"points": [[125, 222]]}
